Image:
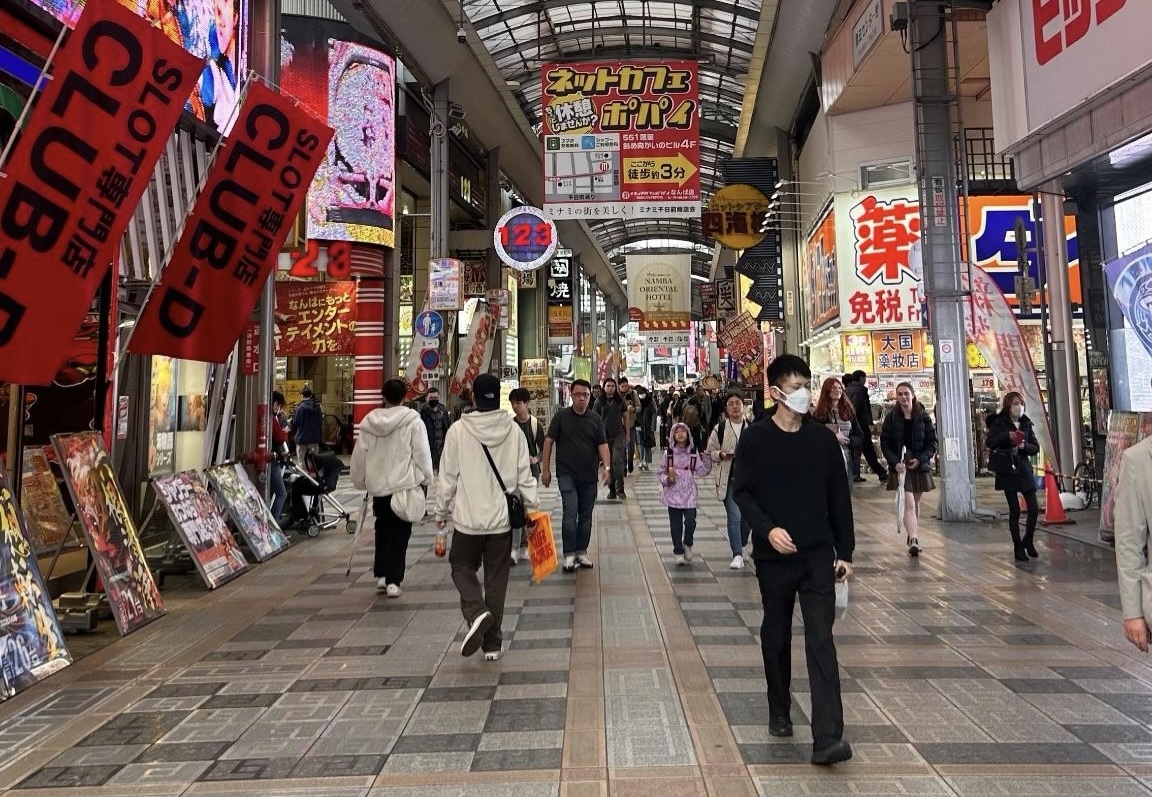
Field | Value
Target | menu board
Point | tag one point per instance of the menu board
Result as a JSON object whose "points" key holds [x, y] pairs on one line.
{"points": [[109, 529], [45, 516], [31, 642], [248, 511], [200, 524]]}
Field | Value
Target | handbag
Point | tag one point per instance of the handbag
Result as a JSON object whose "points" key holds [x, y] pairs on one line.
{"points": [[410, 504], [517, 517], [1004, 463]]}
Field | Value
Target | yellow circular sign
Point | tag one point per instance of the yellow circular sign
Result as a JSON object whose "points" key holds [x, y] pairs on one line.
{"points": [[735, 216]]}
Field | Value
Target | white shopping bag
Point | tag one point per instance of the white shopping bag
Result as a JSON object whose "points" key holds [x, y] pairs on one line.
{"points": [[841, 599]]}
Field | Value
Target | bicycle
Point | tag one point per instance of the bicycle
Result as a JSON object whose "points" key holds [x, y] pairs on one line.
{"points": [[1084, 481]]}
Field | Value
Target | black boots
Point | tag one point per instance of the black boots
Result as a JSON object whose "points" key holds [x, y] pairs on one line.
{"points": [[1029, 547]]}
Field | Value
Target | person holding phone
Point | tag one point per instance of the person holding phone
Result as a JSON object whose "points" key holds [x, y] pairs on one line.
{"points": [[1011, 441], [908, 440]]}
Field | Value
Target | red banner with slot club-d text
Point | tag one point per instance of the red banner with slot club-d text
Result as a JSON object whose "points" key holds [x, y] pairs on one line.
{"points": [[231, 242], [73, 182]]}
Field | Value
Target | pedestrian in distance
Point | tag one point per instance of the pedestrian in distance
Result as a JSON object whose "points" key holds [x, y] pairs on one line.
{"points": [[1011, 440], [485, 459], [862, 403], [613, 411], [835, 411], [436, 419], [792, 487], [533, 431], [722, 445], [908, 440], [682, 463]]}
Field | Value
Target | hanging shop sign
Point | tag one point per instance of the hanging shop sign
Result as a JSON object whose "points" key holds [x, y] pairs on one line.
{"points": [[109, 529], [499, 303], [820, 274], [525, 239], [315, 318], [535, 377], [743, 340], [621, 139], [725, 299], [660, 298], [894, 351], [560, 325], [45, 515], [31, 642], [476, 350], [474, 276], [560, 298], [352, 88], [735, 216], [444, 284], [76, 175], [248, 511], [201, 526], [526, 280], [230, 243], [856, 348], [707, 300]]}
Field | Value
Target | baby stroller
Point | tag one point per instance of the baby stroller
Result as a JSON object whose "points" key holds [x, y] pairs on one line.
{"points": [[311, 506]]}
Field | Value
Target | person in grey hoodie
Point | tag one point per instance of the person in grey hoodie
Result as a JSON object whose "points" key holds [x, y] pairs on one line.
{"points": [[485, 457], [391, 455]]}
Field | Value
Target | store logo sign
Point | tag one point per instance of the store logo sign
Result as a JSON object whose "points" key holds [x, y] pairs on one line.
{"points": [[1058, 24]]}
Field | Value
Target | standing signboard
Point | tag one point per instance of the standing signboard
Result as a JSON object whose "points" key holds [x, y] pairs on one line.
{"points": [[45, 515], [109, 529], [621, 139], [248, 511], [199, 523]]}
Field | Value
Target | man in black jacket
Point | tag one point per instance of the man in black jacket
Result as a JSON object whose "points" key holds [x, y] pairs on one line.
{"points": [[792, 489], [861, 402], [611, 408]]}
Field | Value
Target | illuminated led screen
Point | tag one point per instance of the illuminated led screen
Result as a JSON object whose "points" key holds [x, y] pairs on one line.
{"points": [[353, 87], [210, 29]]}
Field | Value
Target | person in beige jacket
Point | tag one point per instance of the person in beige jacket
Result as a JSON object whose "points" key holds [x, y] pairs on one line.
{"points": [[1133, 505], [722, 449]]}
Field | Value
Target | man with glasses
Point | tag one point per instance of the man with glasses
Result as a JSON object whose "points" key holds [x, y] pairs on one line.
{"points": [[581, 447]]}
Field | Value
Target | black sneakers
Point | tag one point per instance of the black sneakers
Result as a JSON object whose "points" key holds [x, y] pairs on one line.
{"points": [[475, 636], [780, 726], [834, 753]]}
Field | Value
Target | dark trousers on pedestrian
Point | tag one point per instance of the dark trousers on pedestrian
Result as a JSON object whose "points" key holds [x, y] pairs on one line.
{"points": [[1014, 515], [808, 574], [493, 552], [616, 472], [869, 451], [578, 499], [392, 535], [683, 524]]}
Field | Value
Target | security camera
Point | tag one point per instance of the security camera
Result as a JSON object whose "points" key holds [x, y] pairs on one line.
{"points": [[461, 35]]}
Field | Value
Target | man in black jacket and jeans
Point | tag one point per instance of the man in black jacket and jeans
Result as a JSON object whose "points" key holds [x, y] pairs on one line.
{"points": [[857, 391], [792, 489], [611, 409]]}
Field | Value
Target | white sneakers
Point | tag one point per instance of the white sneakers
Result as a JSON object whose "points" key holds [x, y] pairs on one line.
{"points": [[737, 563], [391, 590], [584, 562], [493, 655], [381, 584], [687, 553], [569, 564], [515, 557], [475, 636], [680, 560]]}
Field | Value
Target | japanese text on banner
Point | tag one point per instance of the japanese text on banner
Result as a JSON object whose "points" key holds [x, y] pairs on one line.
{"points": [[315, 318]]}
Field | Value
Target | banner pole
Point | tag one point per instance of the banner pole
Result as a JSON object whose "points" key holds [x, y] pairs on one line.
{"points": [[28, 105]]}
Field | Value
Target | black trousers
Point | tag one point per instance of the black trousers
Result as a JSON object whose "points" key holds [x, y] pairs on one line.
{"points": [[809, 575], [493, 552], [868, 449], [392, 535], [1014, 515]]}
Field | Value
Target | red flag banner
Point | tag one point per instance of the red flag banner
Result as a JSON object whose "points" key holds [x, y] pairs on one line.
{"points": [[73, 182], [231, 241], [315, 318]]}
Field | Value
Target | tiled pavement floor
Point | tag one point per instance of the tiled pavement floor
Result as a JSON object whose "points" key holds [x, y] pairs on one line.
{"points": [[964, 675]]}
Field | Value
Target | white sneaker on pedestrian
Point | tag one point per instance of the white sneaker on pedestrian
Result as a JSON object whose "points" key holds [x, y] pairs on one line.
{"points": [[569, 564], [393, 590], [515, 557], [524, 555], [475, 636], [737, 563], [584, 562], [381, 584], [687, 553], [493, 655], [679, 560]]}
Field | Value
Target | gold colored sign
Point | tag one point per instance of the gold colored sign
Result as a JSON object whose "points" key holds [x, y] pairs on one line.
{"points": [[735, 216]]}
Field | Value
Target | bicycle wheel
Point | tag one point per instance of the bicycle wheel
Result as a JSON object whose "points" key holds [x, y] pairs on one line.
{"points": [[1084, 483]]}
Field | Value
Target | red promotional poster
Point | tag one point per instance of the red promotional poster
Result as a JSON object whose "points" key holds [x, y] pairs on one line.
{"points": [[621, 139], [476, 350], [230, 243], [73, 182], [315, 318]]}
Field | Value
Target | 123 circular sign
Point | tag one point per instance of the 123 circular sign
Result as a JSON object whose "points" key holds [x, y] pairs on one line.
{"points": [[524, 239]]}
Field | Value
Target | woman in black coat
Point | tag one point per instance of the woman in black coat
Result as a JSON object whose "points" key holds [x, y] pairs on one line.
{"points": [[1011, 441], [908, 441]]}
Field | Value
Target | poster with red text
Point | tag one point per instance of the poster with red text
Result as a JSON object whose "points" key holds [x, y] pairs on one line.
{"points": [[231, 241], [621, 139], [476, 350], [85, 156], [199, 523], [315, 319]]}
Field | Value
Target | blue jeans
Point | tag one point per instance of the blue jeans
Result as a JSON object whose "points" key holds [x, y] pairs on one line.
{"points": [[279, 489], [578, 499], [683, 523], [738, 530]]}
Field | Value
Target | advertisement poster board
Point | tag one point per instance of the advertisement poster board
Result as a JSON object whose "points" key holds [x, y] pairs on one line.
{"points": [[820, 273], [444, 284], [199, 523], [476, 350], [315, 319], [660, 297], [162, 415], [31, 642], [109, 529], [45, 516], [742, 338], [248, 511], [1123, 433]]}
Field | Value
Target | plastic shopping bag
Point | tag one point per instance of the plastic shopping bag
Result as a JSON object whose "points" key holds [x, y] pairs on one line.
{"points": [[541, 546], [841, 599]]}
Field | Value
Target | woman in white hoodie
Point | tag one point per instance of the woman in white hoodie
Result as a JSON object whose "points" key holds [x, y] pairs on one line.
{"points": [[391, 455], [469, 492]]}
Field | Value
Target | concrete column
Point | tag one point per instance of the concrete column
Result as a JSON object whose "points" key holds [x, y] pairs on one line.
{"points": [[1064, 397], [438, 215], [934, 102]]}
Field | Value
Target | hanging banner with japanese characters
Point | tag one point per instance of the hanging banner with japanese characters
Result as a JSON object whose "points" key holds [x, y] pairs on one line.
{"points": [[560, 299], [621, 139], [996, 332], [315, 318], [474, 276], [896, 352], [725, 299], [249, 513], [84, 158], [743, 340], [199, 523], [476, 350], [708, 300], [820, 276], [109, 529], [231, 241], [735, 217], [660, 297], [31, 642]]}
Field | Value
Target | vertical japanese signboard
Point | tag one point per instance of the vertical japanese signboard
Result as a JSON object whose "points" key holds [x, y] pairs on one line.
{"points": [[820, 274], [621, 139], [560, 299], [660, 297], [230, 243], [725, 299], [742, 338], [476, 350], [84, 158], [202, 527], [315, 318], [707, 300]]}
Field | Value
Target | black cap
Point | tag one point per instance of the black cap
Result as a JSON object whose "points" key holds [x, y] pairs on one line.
{"points": [[486, 392]]}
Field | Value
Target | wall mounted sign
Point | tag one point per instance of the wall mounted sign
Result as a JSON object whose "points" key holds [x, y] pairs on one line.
{"points": [[735, 216], [524, 239]]}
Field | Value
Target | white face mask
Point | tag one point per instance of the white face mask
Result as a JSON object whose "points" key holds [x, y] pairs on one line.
{"points": [[799, 400], [1017, 410]]}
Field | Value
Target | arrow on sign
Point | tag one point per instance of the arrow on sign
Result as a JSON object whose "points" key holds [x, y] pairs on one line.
{"points": [[676, 169]]}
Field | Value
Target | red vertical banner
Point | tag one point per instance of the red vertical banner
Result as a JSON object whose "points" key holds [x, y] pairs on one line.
{"points": [[230, 243], [84, 159]]}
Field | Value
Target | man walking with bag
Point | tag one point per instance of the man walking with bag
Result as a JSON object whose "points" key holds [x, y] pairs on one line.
{"points": [[485, 487]]}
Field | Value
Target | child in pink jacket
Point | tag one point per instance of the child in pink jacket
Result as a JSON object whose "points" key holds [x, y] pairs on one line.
{"points": [[681, 465]]}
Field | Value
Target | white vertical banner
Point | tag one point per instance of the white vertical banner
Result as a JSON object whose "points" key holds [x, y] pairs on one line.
{"points": [[660, 297], [475, 356]]}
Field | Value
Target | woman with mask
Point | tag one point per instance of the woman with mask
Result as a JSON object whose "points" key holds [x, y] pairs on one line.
{"points": [[908, 440], [834, 410], [1011, 441]]}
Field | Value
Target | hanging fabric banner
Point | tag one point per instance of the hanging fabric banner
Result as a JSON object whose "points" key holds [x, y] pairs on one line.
{"points": [[476, 351], [232, 239], [660, 297], [315, 318], [73, 182]]}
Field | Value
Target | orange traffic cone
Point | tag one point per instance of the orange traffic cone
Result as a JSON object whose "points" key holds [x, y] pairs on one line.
{"points": [[1054, 514]]}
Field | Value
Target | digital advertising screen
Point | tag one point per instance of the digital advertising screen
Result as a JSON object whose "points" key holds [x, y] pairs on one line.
{"points": [[211, 29], [353, 88]]}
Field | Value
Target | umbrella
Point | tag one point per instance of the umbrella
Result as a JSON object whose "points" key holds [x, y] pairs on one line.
{"points": [[900, 493], [356, 537]]}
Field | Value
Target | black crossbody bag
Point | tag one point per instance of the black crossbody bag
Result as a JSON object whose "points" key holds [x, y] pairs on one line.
{"points": [[517, 517]]}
